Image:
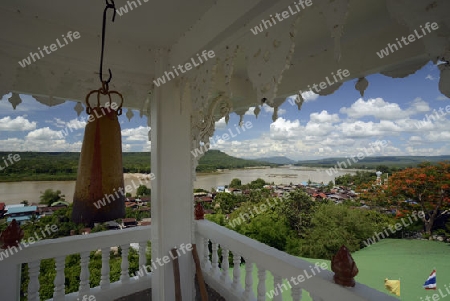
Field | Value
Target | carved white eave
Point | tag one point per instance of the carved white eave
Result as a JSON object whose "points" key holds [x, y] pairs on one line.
{"points": [[299, 51], [364, 29]]}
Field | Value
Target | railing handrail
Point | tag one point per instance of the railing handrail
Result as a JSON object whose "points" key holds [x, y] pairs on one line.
{"points": [[287, 266], [52, 248]]}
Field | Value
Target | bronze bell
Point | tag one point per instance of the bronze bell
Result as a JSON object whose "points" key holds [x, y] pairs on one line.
{"points": [[99, 191]]}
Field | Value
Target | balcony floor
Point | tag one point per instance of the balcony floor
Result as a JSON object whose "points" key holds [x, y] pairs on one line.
{"points": [[147, 295]]}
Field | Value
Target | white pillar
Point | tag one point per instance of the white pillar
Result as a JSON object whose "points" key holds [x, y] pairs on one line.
{"points": [[172, 191], [10, 279]]}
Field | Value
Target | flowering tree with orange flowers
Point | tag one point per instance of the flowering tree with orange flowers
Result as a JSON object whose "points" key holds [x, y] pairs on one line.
{"points": [[428, 184]]}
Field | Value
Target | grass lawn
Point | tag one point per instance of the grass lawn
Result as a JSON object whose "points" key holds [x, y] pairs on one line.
{"points": [[410, 260]]}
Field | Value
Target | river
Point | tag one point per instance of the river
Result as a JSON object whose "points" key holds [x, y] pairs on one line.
{"points": [[15, 192]]}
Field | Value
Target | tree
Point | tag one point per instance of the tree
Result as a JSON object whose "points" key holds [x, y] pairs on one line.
{"points": [[383, 168], [235, 183], [227, 202], [25, 202], [429, 185], [335, 225], [298, 209], [49, 196], [257, 184], [143, 190]]}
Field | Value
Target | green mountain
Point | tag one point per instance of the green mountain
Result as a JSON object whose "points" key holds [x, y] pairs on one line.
{"points": [[63, 166], [277, 160], [372, 162], [215, 159]]}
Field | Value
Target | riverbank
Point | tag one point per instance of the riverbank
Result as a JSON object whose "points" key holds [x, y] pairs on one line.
{"points": [[16, 192]]}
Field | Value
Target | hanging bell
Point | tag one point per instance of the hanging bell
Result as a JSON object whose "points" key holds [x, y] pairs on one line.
{"points": [[99, 191]]}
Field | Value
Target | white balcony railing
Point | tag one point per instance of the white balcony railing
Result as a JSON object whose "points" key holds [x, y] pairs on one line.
{"points": [[216, 272], [321, 287], [83, 245]]}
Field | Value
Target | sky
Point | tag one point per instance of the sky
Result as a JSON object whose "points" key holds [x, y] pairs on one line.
{"points": [[392, 111]]}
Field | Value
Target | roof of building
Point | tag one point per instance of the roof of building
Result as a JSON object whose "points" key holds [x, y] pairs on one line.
{"points": [[18, 218], [17, 210], [60, 203], [14, 206], [129, 220]]}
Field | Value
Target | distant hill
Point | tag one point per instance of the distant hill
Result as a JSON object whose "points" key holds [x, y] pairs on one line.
{"points": [[277, 160], [215, 159], [372, 162], [63, 166]]}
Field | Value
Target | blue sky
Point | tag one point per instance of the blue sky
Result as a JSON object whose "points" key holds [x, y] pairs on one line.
{"points": [[340, 124]]}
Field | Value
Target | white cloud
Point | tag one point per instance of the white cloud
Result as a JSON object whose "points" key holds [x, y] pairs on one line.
{"points": [[381, 109], [17, 124], [221, 124], [309, 96], [269, 109], [136, 134], [324, 117], [250, 111], [44, 134], [430, 77]]}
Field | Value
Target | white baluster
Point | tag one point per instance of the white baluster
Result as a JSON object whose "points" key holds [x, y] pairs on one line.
{"points": [[236, 272], [225, 266], [206, 262], [142, 254], [59, 290], [104, 279], [124, 276], [248, 294], [261, 284], [278, 283], [215, 258], [84, 274], [33, 284], [296, 293]]}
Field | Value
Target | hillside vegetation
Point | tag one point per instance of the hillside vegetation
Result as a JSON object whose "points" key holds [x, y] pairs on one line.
{"points": [[372, 162], [63, 166]]}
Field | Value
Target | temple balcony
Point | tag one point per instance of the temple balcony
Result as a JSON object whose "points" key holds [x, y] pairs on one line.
{"points": [[219, 276], [248, 69]]}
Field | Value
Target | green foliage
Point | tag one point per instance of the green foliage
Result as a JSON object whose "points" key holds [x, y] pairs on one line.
{"points": [[143, 190], [395, 163], [227, 201], [137, 214], [269, 229], [300, 226], [298, 209], [216, 218], [63, 166], [357, 179], [335, 225], [215, 159], [257, 184], [235, 183], [49, 196]]}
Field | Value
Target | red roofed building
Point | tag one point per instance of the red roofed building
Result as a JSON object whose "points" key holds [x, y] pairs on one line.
{"points": [[2, 209]]}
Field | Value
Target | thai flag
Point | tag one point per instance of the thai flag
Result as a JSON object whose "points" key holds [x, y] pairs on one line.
{"points": [[430, 284]]}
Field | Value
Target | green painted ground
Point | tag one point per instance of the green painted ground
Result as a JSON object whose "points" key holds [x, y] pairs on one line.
{"points": [[410, 260]]}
